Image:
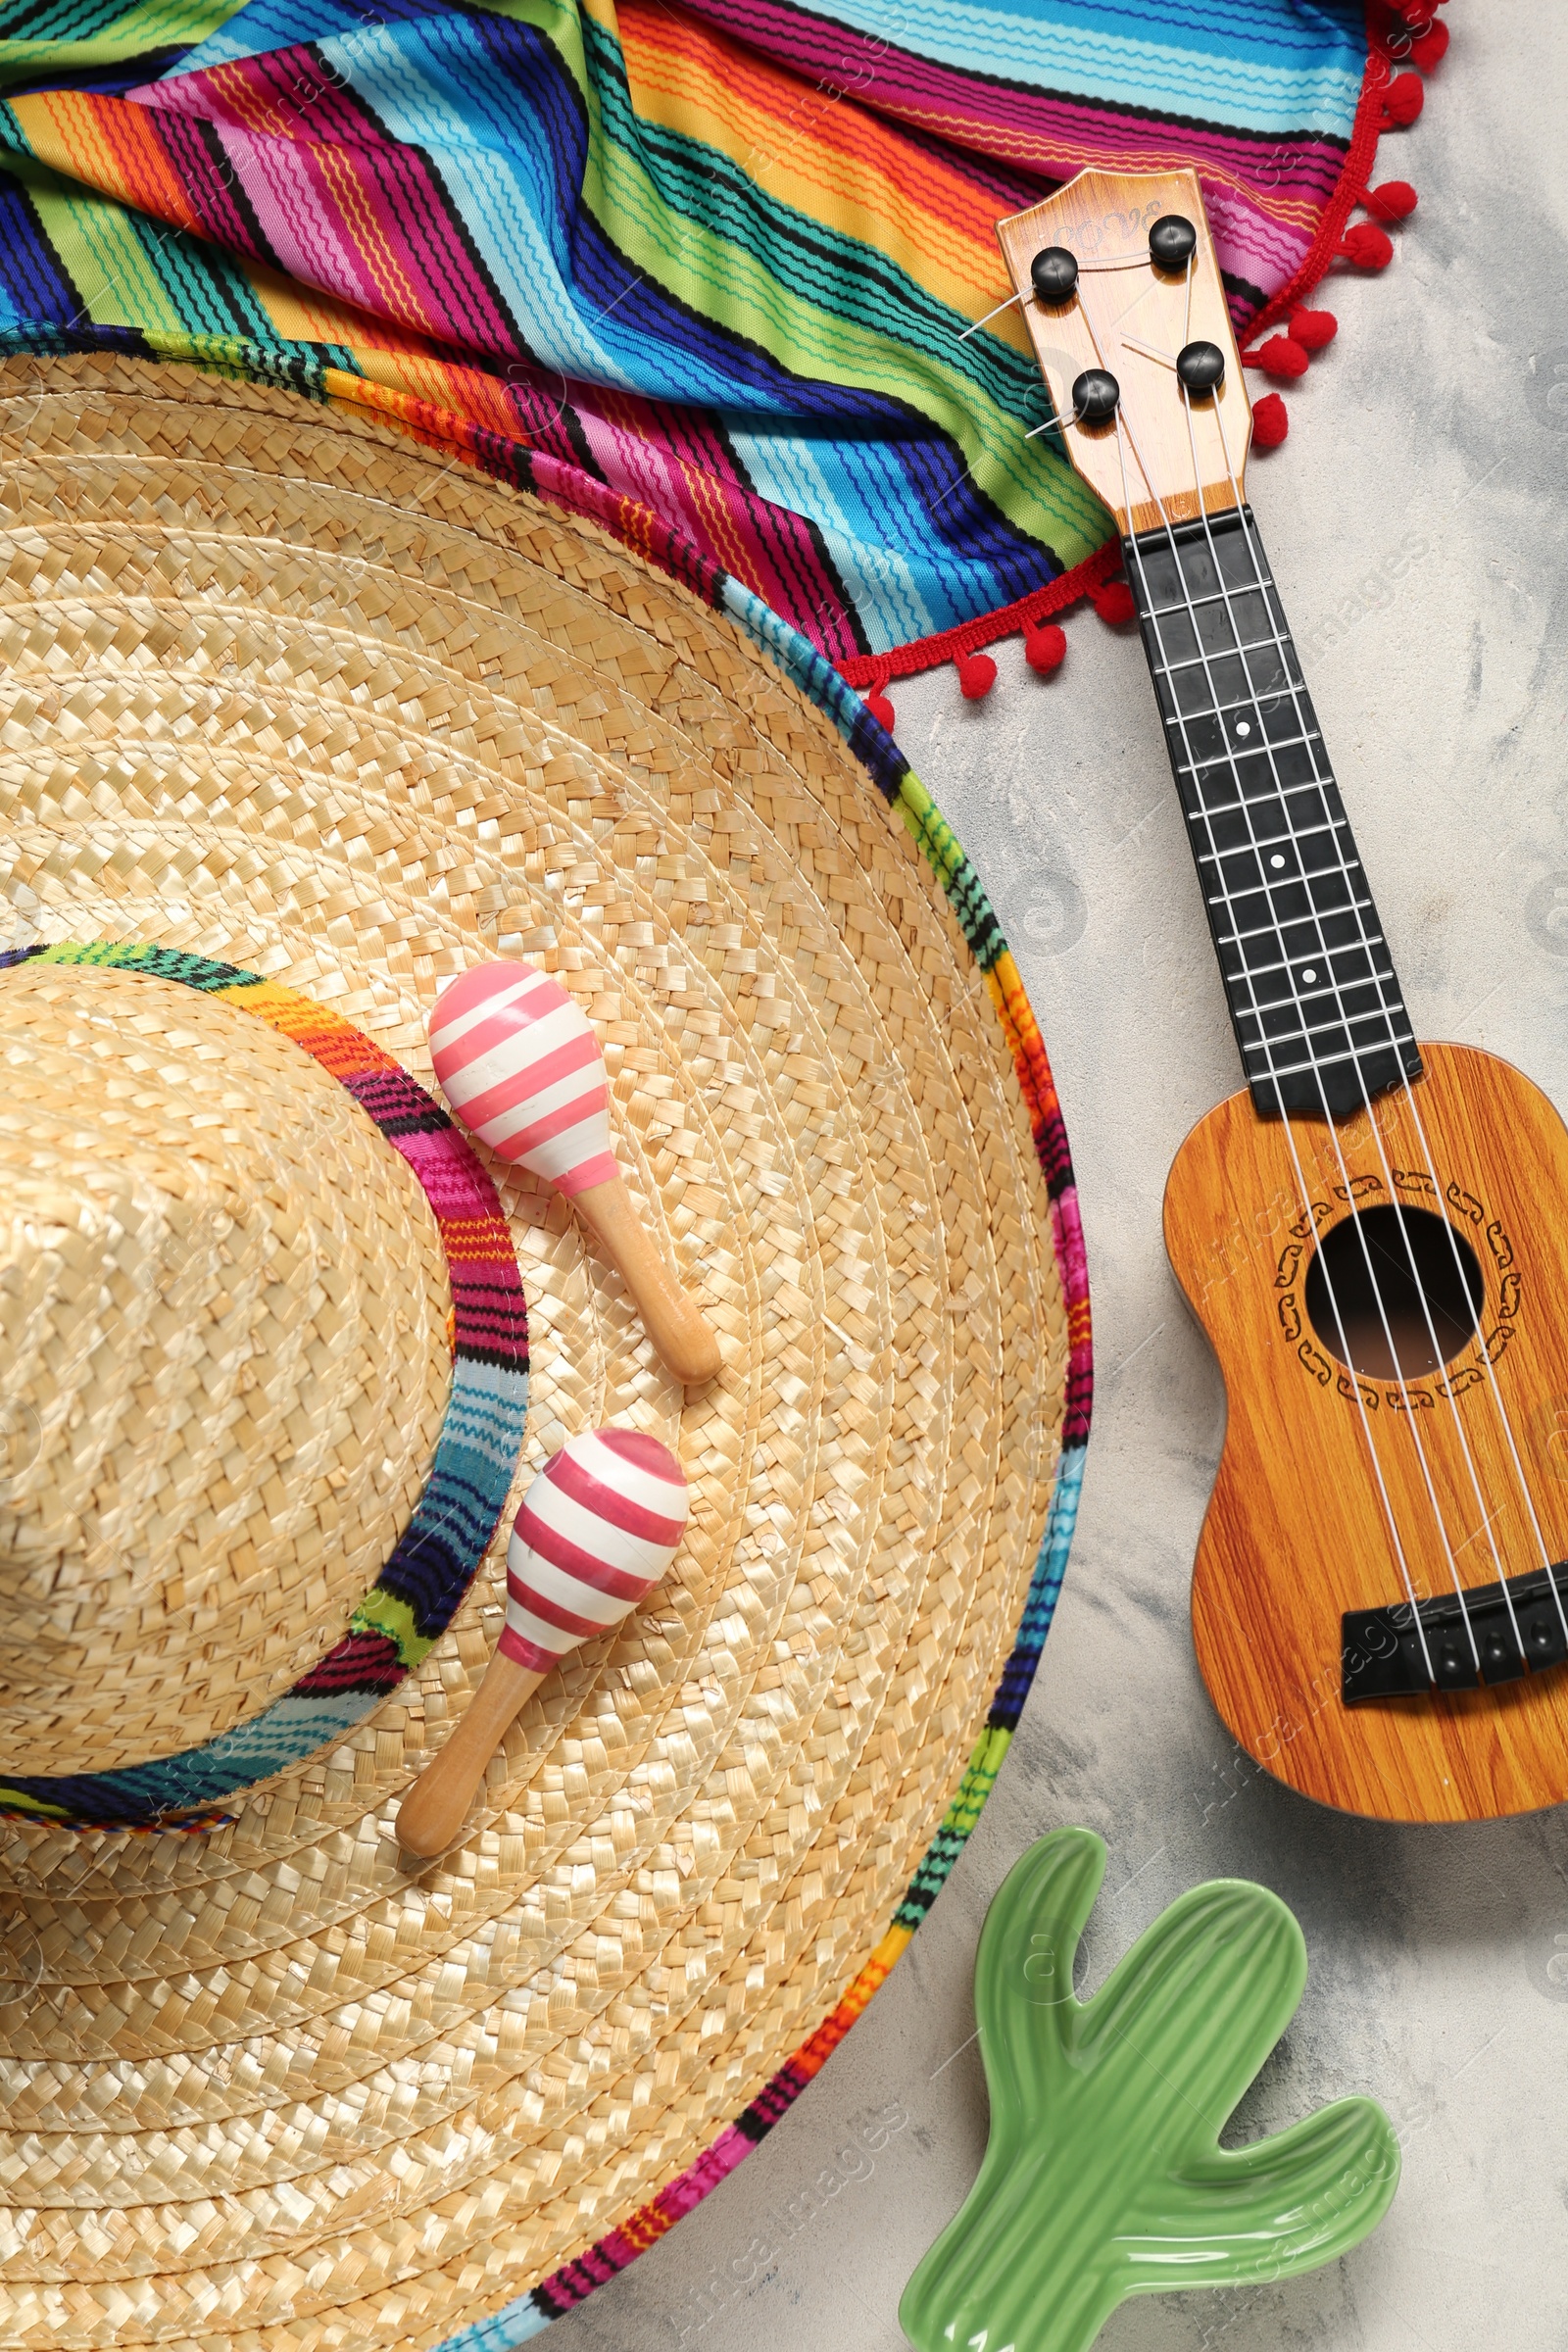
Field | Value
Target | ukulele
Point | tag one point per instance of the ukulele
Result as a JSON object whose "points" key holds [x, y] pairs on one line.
{"points": [[1379, 1600]]}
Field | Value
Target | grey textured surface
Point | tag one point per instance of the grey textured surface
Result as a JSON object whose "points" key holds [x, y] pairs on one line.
{"points": [[1431, 432]]}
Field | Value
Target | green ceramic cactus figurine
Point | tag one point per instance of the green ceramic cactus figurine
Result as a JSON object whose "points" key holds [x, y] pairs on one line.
{"points": [[1103, 2177]]}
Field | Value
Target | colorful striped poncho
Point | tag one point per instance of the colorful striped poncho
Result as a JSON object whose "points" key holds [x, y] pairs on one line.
{"points": [[697, 271]]}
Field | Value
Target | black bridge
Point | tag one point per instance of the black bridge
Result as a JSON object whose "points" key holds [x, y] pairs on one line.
{"points": [[1382, 1656]]}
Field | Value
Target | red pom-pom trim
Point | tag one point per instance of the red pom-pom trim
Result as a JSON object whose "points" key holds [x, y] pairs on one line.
{"points": [[1280, 357], [1271, 422], [1313, 329], [881, 711], [1431, 49], [1045, 649], [1396, 200], [1367, 247], [1112, 599], [1403, 98], [977, 674]]}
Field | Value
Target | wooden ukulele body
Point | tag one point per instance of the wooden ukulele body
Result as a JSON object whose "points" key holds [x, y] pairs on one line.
{"points": [[1296, 1530]]}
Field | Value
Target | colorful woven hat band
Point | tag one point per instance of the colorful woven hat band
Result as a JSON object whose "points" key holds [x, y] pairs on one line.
{"points": [[438, 1544]]}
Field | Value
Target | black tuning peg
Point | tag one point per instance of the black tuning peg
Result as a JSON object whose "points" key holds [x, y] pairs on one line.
{"points": [[1200, 367], [1094, 395], [1172, 241], [1054, 274]]}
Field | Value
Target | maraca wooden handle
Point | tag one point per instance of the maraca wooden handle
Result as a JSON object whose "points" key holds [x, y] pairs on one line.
{"points": [[672, 1321], [436, 1806], [593, 1535]]}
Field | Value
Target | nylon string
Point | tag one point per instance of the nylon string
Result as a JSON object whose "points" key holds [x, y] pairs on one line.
{"points": [[1265, 1047], [1304, 1196], [1405, 1092]]}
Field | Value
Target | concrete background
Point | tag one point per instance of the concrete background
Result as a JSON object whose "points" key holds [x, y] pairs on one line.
{"points": [[1440, 1957]]}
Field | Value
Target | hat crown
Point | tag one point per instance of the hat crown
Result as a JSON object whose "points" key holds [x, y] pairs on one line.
{"points": [[222, 1364]]}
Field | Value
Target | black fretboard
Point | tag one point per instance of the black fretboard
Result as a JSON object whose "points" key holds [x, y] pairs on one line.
{"points": [[1313, 998]]}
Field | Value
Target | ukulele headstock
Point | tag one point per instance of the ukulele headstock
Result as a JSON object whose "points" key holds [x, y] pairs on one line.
{"points": [[1182, 447]]}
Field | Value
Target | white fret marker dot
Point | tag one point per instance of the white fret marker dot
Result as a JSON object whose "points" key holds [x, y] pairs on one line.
{"points": [[1310, 972], [1276, 860], [1243, 727]]}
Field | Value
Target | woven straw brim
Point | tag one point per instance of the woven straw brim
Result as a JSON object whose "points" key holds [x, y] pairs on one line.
{"points": [[291, 693]]}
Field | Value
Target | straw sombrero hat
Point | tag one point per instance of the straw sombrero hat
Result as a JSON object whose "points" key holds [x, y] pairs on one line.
{"points": [[298, 719]]}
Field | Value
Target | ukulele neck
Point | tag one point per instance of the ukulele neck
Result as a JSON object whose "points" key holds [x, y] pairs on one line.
{"points": [[1313, 996]]}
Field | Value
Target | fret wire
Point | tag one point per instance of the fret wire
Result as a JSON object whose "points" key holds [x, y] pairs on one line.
{"points": [[1195, 777], [1284, 743], [1196, 603], [1281, 643], [1378, 981], [1254, 645], [1280, 1041], [1271, 841], [1203, 771], [1262, 1013], [1246, 751], [1259, 1066], [1327, 1062], [1259, 1009], [1262, 971], [1209, 813], [1226, 898], [1270, 883], [1342, 1020], [1251, 702], [1393, 1015], [1201, 812], [1272, 931], [1279, 633]]}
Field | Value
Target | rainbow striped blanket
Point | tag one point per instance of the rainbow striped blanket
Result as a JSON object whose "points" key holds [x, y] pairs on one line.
{"points": [[697, 271]]}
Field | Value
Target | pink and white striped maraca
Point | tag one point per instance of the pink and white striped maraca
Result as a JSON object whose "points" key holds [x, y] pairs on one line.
{"points": [[597, 1529], [519, 1063]]}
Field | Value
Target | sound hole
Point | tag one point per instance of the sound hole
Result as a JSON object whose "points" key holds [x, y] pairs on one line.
{"points": [[1379, 1268]]}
